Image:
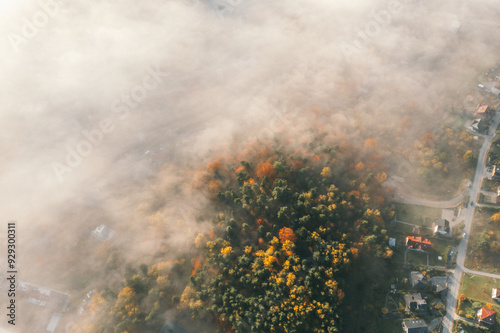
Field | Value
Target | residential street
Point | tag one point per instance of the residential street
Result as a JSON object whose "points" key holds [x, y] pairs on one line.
{"points": [[454, 283]]}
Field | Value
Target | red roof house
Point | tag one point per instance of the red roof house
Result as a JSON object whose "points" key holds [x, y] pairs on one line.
{"points": [[483, 110], [418, 243], [486, 317]]}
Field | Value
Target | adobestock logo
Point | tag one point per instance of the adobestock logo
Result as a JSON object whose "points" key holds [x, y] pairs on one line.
{"points": [[31, 26], [372, 29], [121, 107]]}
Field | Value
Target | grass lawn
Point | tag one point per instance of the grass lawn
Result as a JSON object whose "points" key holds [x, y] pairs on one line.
{"points": [[483, 252], [403, 229], [458, 230], [420, 215], [399, 254], [461, 326], [416, 258], [478, 287], [442, 247], [390, 326]]}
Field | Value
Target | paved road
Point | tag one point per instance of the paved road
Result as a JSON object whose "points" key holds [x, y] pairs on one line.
{"points": [[454, 282], [470, 271]]}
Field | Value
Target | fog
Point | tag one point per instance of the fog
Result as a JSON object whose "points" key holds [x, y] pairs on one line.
{"points": [[108, 106]]}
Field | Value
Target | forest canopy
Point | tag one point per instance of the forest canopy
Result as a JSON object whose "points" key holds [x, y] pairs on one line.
{"points": [[290, 228]]}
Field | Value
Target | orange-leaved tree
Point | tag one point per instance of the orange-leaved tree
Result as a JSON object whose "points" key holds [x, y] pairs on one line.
{"points": [[265, 169], [287, 234]]}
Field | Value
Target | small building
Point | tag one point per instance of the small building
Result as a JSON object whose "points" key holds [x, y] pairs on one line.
{"points": [[415, 326], [418, 243], [417, 280], [478, 125], [485, 317], [495, 174], [392, 242], [103, 233], [441, 227], [498, 195], [495, 294], [415, 302]]}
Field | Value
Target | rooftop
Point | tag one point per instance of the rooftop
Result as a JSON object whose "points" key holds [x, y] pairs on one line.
{"points": [[415, 323], [482, 109], [419, 239], [484, 313], [102, 232]]}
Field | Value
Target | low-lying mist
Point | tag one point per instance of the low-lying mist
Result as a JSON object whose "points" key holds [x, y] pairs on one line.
{"points": [[109, 108]]}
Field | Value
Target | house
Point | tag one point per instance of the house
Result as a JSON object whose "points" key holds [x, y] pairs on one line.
{"points": [[495, 294], [495, 91], [417, 280], [498, 194], [485, 317], [415, 326], [439, 285], [392, 242], [495, 174], [478, 125], [441, 227], [103, 233], [415, 302], [418, 243], [484, 111]]}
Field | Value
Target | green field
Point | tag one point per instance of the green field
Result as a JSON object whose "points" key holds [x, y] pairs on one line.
{"points": [[420, 215], [478, 287], [416, 258], [483, 252]]}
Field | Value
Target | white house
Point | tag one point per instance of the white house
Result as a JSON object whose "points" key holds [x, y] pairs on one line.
{"points": [[103, 233], [495, 294]]}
